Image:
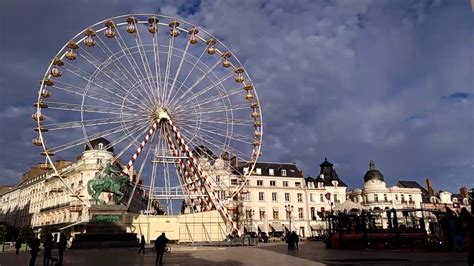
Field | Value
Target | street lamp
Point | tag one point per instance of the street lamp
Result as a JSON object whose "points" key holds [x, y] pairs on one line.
{"points": [[289, 210]]}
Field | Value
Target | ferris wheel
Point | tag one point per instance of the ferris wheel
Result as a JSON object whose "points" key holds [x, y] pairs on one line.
{"points": [[162, 91]]}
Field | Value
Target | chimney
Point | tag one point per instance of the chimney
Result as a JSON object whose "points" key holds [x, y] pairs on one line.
{"points": [[429, 186], [302, 173], [464, 192]]}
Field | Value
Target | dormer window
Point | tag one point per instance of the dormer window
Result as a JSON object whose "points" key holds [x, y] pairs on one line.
{"points": [[283, 172], [455, 200], [271, 171], [258, 171], [246, 170], [335, 183], [101, 146], [320, 184]]}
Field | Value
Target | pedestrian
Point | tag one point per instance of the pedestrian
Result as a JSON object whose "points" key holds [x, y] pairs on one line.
{"points": [[34, 249], [294, 239], [48, 247], [160, 245], [289, 241], [142, 245], [61, 248], [18, 245]]}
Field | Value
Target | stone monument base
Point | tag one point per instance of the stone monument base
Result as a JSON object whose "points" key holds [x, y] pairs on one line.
{"points": [[106, 229]]}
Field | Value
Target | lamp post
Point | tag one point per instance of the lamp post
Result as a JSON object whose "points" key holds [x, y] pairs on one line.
{"points": [[289, 210]]}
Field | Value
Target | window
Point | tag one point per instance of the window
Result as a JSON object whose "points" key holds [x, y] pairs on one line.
{"points": [[271, 171], [101, 146], [410, 198], [320, 184], [297, 184], [376, 198], [218, 179], [300, 213], [385, 197], [261, 196], [403, 197], [285, 183], [246, 170], [272, 183], [283, 172], [311, 198], [247, 196], [313, 216], [258, 171], [233, 182], [299, 196], [321, 197], [287, 197], [310, 184], [262, 214], [275, 214], [274, 196], [99, 160], [396, 196], [259, 183]]}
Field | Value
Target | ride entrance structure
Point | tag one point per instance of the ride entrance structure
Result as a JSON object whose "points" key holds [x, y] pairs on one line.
{"points": [[165, 93]]}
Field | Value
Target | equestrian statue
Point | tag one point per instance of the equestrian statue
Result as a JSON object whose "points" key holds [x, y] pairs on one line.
{"points": [[111, 180]]}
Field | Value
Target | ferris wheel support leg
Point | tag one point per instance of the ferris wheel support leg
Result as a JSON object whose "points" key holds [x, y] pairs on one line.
{"points": [[213, 199]]}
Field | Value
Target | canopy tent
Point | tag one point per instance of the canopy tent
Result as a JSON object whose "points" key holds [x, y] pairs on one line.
{"points": [[348, 206]]}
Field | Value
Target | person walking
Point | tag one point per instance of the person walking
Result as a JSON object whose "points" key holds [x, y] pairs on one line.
{"points": [[160, 245], [18, 245], [289, 241], [48, 247], [61, 248], [35, 248], [294, 239], [142, 245]]}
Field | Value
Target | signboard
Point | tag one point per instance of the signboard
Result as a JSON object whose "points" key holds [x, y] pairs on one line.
{"points": [[107, 218]]}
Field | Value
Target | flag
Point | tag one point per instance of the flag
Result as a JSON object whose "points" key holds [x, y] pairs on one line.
{"points": [[328, 195]]}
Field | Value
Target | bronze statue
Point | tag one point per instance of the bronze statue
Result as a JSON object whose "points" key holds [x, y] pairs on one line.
{"points": [[111, 180]]}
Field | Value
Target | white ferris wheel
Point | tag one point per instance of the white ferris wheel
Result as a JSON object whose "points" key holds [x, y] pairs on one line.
{"points": [[160, 90]]}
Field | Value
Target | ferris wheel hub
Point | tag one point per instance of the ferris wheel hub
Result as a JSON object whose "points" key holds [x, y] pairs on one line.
{"points": [[162, 114]]}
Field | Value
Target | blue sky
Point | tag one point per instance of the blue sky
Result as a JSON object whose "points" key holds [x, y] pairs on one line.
{"points": [[391, 81]]}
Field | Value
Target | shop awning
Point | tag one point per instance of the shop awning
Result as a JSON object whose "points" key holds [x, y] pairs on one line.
{"points": [[277, 227]]}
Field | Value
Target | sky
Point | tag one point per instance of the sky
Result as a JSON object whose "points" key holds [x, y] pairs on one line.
{"points": [[352, 81]]}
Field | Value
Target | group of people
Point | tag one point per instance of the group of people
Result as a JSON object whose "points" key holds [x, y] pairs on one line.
{"points": [[292, 239], [160, 247], [48, 246]]}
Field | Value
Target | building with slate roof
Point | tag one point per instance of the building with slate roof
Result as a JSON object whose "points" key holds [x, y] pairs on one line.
{"points": [[375, 195]]}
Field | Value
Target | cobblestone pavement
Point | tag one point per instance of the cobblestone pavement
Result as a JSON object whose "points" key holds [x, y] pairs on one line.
{"points": [[309, 253]]}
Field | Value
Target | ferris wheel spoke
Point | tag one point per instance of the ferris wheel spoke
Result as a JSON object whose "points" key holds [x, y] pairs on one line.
{"points": [[156, 57], [146, 64], [168, 67], [177, 72], [220, 120], [108, 99], [215, 109], [225, 133], [86, 123], [134, 135], [123, 70], [83, 108], [136, 69], [227, 94], [103, 68], [197, 82], [83, 141], [88, 78], [207, 89], [207, 140], [189, 74]]}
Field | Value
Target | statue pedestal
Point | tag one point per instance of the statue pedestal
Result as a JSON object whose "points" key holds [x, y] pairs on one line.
{"points": [[106, 229]]}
